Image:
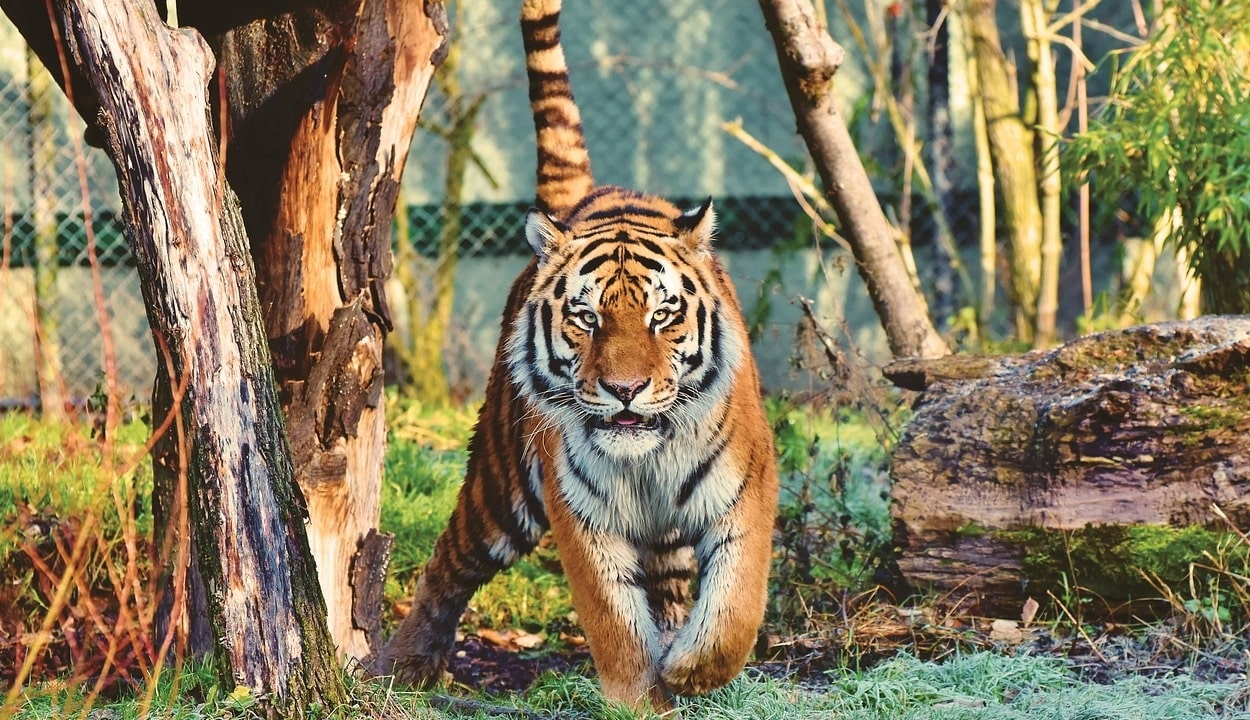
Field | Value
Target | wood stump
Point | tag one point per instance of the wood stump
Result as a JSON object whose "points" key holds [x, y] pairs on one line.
{"points": [[1144, 427]]}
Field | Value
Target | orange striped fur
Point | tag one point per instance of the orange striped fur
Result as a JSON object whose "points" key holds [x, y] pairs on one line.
{"points": [[623, 413]]}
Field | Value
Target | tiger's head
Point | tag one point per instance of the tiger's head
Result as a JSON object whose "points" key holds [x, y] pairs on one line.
{"points": [[629, 332]]}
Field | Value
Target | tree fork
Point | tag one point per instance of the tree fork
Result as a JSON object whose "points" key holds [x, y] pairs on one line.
{"points": [[321, 101], [187, 236]]}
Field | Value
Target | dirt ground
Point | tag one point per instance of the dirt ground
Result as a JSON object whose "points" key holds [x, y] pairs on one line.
{"points": [[479, 665], [1096, 653]]}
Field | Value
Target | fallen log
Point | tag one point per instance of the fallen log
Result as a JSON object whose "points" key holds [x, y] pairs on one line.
{"points": [[1022, 475]]}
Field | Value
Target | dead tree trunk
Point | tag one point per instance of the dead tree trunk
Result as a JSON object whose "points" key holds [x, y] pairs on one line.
{"points": [[1148, 426], [321, 102], [809, 59], [187, 236]]}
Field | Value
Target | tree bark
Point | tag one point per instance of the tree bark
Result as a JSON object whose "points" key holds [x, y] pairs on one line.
{"points": [[321, 101], [809, 59], [197, 279], [1145, 426], [1011, 148]]}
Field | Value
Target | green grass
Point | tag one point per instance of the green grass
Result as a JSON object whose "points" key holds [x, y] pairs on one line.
{"points": [[989, 686], [57, 467], [977, 686], [833, 474]]}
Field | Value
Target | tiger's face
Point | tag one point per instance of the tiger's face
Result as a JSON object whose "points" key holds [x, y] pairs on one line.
{"points": [[621, 340]]}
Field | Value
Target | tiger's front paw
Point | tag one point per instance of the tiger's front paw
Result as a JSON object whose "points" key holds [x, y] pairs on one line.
{"points": [[696, 671]]}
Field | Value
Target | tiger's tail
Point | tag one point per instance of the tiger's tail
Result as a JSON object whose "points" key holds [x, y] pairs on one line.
{"points": [[564, 175]]}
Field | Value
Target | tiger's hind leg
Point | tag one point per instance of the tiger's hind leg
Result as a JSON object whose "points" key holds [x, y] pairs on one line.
{"points": [[417, 653], [499, 517]]}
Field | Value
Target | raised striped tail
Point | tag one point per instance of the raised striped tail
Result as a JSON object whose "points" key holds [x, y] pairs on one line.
{"points": [[563, 174]]}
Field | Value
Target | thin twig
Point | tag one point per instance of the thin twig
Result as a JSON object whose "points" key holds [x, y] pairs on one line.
{"points": [[806, 188], [1073, 16], [60, 598], [1079, 627], [1120, 35]]}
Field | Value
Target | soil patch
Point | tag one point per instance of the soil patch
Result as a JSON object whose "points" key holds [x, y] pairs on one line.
{"points": [[486, 667]]}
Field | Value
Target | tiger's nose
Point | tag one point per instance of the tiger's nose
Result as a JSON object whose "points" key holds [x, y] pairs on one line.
{"points": [[624, 390]]}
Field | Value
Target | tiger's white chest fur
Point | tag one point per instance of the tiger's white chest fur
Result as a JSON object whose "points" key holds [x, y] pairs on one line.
{"points": [[678, 490]]}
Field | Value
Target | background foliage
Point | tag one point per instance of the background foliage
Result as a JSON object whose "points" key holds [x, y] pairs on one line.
{"points": [[1173, 135]]}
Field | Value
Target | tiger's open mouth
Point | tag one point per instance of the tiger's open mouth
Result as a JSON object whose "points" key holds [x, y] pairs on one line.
{"points": [[629, 421]]}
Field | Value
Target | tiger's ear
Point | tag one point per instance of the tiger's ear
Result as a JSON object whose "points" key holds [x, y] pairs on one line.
{"points": [[543, 233], [696, 227]]}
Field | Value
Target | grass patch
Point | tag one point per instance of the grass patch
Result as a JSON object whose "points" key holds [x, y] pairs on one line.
{"points": [[992, 686], [59, 468], [976, 686], [75, 529], [833, 509], [188, 692]]}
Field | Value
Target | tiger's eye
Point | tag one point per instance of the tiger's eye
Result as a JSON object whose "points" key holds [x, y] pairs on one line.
{"points": [[588, 318], [659, 316]]}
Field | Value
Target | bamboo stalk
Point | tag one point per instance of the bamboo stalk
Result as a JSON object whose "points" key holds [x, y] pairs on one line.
{"points": [[985, 193], [1046, 133], [1082, 125], [1011, 145]]}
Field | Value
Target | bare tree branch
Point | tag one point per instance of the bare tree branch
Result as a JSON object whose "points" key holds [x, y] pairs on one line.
{"points": [[809, 59]]}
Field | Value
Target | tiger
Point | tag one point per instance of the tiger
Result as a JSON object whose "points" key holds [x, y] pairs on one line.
{"points": [[623, 413]]}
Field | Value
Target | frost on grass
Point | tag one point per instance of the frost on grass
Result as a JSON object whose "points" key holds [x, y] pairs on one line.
{"points": [[989, 686], [976, 686]]}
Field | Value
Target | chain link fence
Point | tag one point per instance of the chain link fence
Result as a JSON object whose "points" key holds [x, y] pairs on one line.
{"points": [[656, 81], [61, 202]]}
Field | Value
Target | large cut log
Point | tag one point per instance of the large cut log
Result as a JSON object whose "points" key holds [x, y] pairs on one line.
{"points": [[1088, 443]]}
